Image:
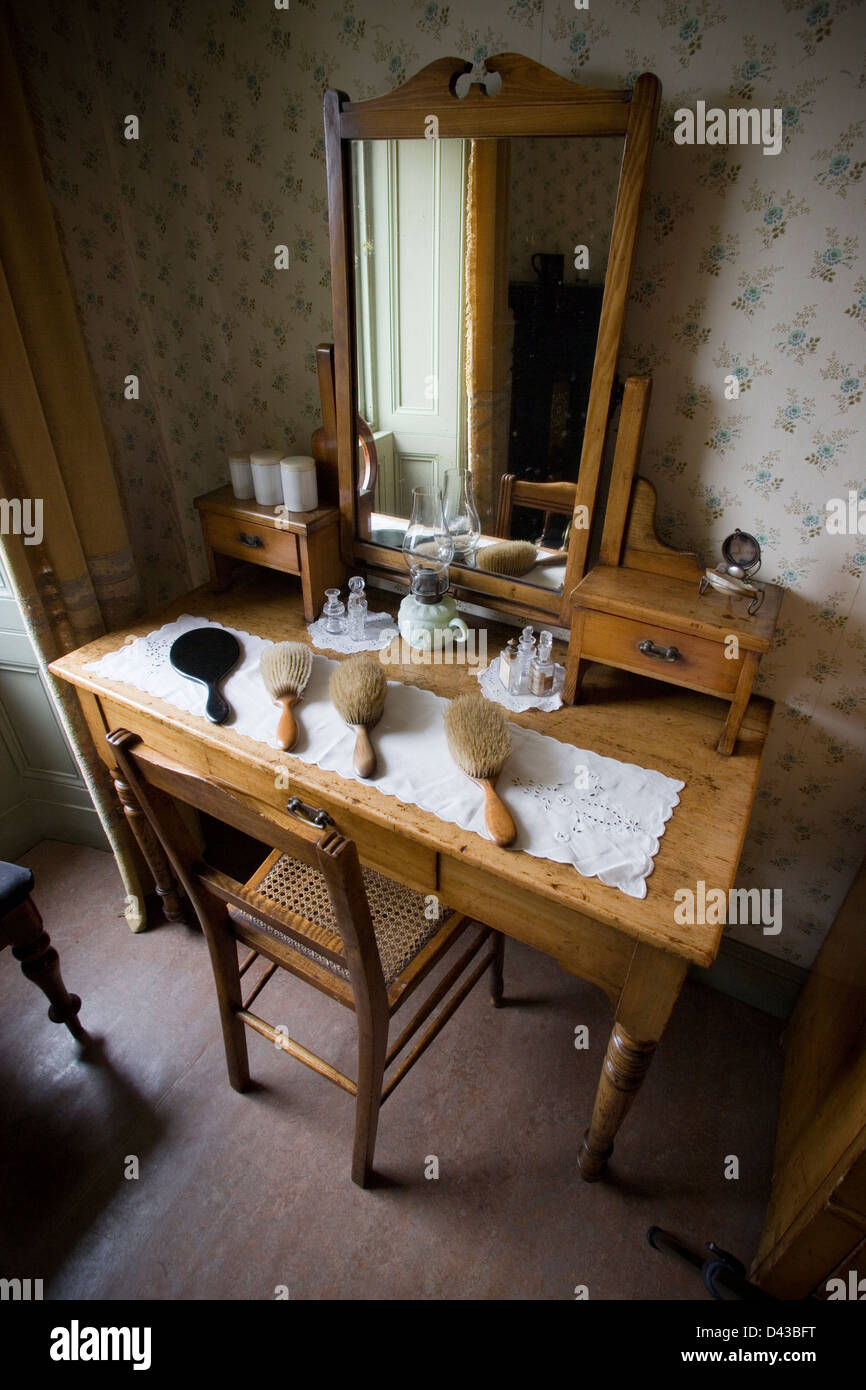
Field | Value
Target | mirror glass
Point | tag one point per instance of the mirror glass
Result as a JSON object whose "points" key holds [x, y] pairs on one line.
{"points": [[479, 269]]}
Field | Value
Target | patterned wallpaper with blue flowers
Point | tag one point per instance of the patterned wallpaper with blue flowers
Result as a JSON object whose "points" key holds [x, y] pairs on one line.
{"points": [[749, 264]]}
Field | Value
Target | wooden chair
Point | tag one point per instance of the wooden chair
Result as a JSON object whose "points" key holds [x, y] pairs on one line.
{"points": [[550, 498], [354, 935], [21, 928]]}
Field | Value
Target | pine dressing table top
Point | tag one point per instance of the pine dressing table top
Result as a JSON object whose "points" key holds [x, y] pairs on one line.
{"points": [[626, 717]]}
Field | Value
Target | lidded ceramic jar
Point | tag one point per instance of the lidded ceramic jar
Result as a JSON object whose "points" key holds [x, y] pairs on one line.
{"points": [[265, 465], [241, 475], [300, 492]]}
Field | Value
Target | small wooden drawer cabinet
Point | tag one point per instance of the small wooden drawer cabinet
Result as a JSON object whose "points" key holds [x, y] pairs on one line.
{"points": [[661, 626], [303, 543]]}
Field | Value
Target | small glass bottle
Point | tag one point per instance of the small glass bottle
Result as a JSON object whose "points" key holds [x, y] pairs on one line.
{"points": [[542, 671], [334, 612], [508, 663], [525, 651], [356, 616]]}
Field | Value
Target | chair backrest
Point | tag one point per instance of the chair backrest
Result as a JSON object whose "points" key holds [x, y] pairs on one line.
{"points": [[157, 782], [543, 497]]}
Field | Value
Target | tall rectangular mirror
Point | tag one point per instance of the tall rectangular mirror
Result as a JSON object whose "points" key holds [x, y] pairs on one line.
{"points": [[479, 281]]}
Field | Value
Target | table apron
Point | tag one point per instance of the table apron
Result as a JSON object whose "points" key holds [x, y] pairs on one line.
{"points": [[585, 947]]}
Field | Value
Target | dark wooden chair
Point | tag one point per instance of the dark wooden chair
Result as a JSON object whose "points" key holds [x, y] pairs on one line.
{"points": [[553, 499], [21, 928], [353, 934]]}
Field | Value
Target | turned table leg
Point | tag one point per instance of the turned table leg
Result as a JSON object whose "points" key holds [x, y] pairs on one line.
{"points": [[31, 947], [648, 996], [154, 854]]}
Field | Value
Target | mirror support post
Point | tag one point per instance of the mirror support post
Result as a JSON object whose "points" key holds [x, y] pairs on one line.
{"points": [[629, 442], [323, 445], [639, 137]]}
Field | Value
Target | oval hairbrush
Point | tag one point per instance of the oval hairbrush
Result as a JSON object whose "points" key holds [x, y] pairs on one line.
{"points": [[286, 668], [358, 688], [479, 741], [515, 558]]}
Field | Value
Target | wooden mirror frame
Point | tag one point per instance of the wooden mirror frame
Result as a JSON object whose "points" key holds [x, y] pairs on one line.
{"points": [[532, 100]]}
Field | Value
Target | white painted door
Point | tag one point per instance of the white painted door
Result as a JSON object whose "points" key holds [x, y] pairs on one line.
{"points": [[409, 242], [42, 794]]}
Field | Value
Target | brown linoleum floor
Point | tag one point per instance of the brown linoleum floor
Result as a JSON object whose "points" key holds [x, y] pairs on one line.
{"points": [[238, 1195]]}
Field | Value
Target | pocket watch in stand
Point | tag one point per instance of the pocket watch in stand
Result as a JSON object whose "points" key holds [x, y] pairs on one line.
{"points": [[742, 559]]}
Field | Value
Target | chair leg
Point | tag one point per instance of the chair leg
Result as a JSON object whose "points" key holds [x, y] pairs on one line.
{"points": [[224, 960], [372, 1047], [31, 947], [496, 969]]}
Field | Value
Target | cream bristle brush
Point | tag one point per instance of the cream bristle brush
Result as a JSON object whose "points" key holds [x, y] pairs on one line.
{"points": [[515, 558], [358, 688], [285, 669], [479, 741]]}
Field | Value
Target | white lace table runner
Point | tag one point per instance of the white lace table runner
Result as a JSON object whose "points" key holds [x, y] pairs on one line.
{"points": [[569, 804]]}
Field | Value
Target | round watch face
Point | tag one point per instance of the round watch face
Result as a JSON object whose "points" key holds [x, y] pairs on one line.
{"points": [[742, 551]]}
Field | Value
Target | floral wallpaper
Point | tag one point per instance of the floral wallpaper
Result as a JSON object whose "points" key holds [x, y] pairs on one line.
{"points": [[750, 266], [562, 195]]}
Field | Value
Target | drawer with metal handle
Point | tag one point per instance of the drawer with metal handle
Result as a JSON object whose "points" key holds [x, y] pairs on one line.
{"points": [[678, 657], [659, 653], [661, 625], [262, 545]]}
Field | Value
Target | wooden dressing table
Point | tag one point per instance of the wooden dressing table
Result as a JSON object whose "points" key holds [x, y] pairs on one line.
{"points": [[632, 949]]}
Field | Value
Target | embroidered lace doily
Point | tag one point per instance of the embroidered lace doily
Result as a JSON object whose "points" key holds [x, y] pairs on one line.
{"points": [[379, 632], [493, 689]]}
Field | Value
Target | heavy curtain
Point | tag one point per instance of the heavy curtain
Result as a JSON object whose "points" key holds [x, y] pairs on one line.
{"points": [[79, 581], [488, 322]]}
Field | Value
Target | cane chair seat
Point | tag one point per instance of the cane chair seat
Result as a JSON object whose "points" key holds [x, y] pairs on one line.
{"points": [[400, 921], [313, 910]]}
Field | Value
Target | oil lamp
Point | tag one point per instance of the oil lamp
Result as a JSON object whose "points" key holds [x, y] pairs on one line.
{"points": [[427, 617]]}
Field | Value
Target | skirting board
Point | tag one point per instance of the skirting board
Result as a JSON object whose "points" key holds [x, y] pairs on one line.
{"points": [[24, 825], [754, 977]]}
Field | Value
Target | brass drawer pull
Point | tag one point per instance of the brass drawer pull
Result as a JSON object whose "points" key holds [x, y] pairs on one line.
{"points": [[311, 814], [659, 653], [255, 542]]}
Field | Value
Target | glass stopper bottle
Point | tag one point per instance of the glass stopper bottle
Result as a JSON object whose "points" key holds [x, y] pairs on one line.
{"points": [[508, 663], [357, 609], [525, 651], [542, 670], [334, 612]]}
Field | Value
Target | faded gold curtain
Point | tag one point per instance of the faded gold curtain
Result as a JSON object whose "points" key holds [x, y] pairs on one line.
{"points": [[488, 321], [79, 582]]}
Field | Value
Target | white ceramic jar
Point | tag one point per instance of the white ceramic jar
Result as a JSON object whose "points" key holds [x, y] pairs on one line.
{"points": [[242, 476], [300, 491], [265, 465]]}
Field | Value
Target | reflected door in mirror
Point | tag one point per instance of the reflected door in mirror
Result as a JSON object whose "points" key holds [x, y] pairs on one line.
{"points": [[408, 259]]}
